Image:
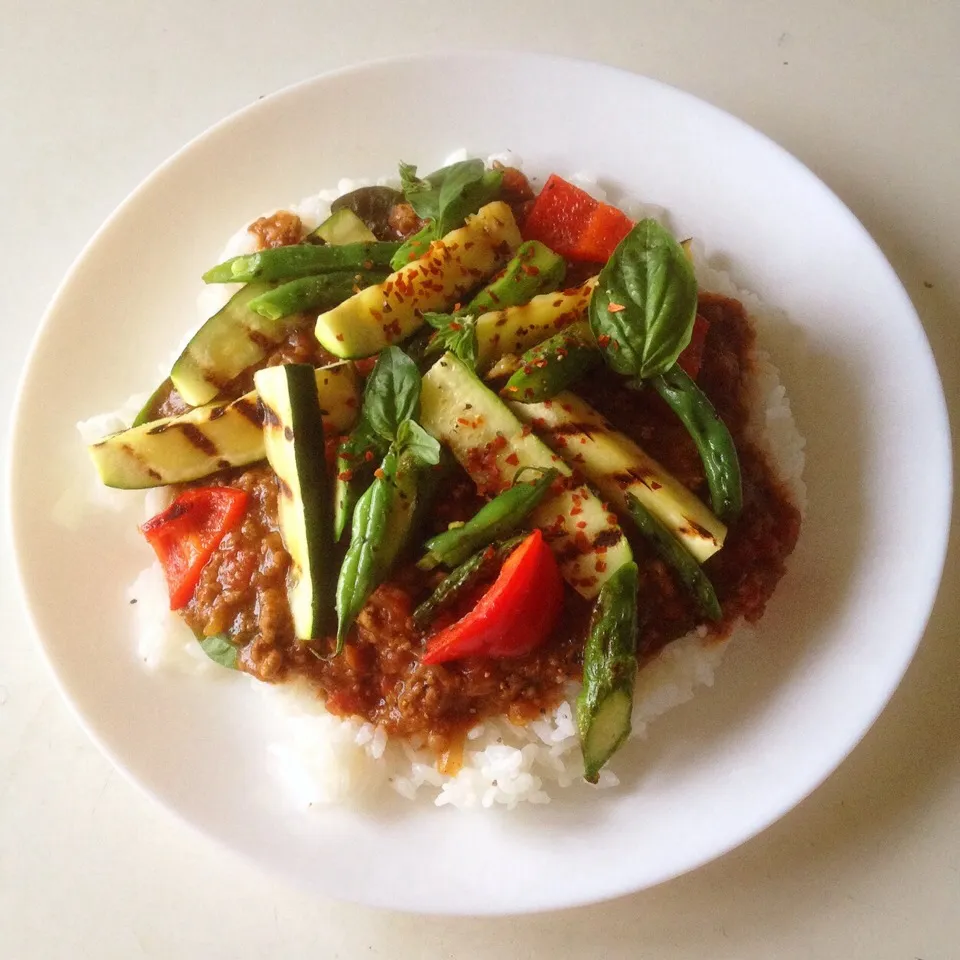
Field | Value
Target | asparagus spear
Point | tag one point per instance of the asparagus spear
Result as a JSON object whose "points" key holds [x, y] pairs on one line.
{"points": [[609, 671], [502, 515], [463, 578], [676, 556], [550, 367], [301, 260], [323, 291]]}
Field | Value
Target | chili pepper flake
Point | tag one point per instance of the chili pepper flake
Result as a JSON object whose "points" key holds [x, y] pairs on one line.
{"points": [[615, 307]]}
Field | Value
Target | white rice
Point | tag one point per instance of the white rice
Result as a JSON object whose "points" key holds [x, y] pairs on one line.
{"points": [[321, 758]]}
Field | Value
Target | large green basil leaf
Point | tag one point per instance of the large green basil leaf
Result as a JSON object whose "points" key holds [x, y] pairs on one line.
{"points": [[392, 393], [643, 309]]}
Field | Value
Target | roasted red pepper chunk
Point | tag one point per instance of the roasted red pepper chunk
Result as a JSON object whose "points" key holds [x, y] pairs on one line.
{"points": [[573, 224], [514, 616], [185, 535]]}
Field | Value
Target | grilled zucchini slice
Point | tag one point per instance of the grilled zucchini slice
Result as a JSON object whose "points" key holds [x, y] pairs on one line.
{"points": [[492, 445], [211, 438], [389, 312], [294, 442]]}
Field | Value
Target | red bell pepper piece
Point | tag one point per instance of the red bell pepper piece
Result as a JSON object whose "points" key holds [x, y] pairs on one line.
{"points": [[605, 229], [692, 355], [573, 224], [185, 535], [514, 616]]}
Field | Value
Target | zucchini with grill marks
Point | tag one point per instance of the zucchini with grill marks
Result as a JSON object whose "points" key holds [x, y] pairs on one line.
{"points": [[294, 443], [390, 312], [617, 467], [492, 445], [211, 438]]}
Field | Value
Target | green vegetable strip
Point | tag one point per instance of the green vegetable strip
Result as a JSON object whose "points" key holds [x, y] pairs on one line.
{"points": [[550, 367], [605, 703], [301, 260], [381, 523], [534, 270], [676, 556], [463, 578], [496, 519], [354, 471], [323, 291], [714, 442]]}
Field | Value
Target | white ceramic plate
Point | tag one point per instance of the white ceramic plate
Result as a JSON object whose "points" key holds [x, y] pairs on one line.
{"points": [[788, 706]]}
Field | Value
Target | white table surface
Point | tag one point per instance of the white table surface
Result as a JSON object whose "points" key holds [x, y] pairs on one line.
{"points": [[94, 95]]}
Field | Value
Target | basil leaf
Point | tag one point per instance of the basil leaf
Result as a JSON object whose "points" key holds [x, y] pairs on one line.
{"points": [[645, 303], [473, 195], [392, 393], [456, 334], [413, 439], [446, 198], [219, 649], [415, 246]]}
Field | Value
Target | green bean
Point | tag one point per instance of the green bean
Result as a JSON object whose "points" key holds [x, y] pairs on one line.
{"points": [[462, 579], [323, 291], [357, 457], [605, 703], [494, 520], [301, 260], [677, 557], [381, 525], [551, 366], [714, 442]]}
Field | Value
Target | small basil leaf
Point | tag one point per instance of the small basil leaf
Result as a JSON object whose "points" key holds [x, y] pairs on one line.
{"points": [[392, 393], [456, 334], [219, 649], [415, 246], [458, 178], [413, 439], [643, 309]]}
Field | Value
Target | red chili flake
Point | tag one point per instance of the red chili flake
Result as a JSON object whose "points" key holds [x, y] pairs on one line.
{"points": [[654, 485], [513, 460], [340, 337], [582, 543], [377, 315], [345, 475], [378, 473], [469, 244], [561, 352], [531, 270], [581, 524], [548, 403], [603, 340], [576, 511], [463, 421], [527, 429], [456, 326], [615, 307], [513, 389], [368, 455], [600, 566], [611, 519]]}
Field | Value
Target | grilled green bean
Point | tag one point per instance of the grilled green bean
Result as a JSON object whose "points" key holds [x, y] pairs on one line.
{"points": [[550, 367], [605, 703], [381, 524], [463, 579], [323, 291], [677, 557], [714, 442], [495, 519], [301, 260], [358, 455]]}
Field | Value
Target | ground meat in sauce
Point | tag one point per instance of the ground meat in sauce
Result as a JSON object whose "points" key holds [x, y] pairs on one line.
{"points": [[380, 676], [280, 229]]}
